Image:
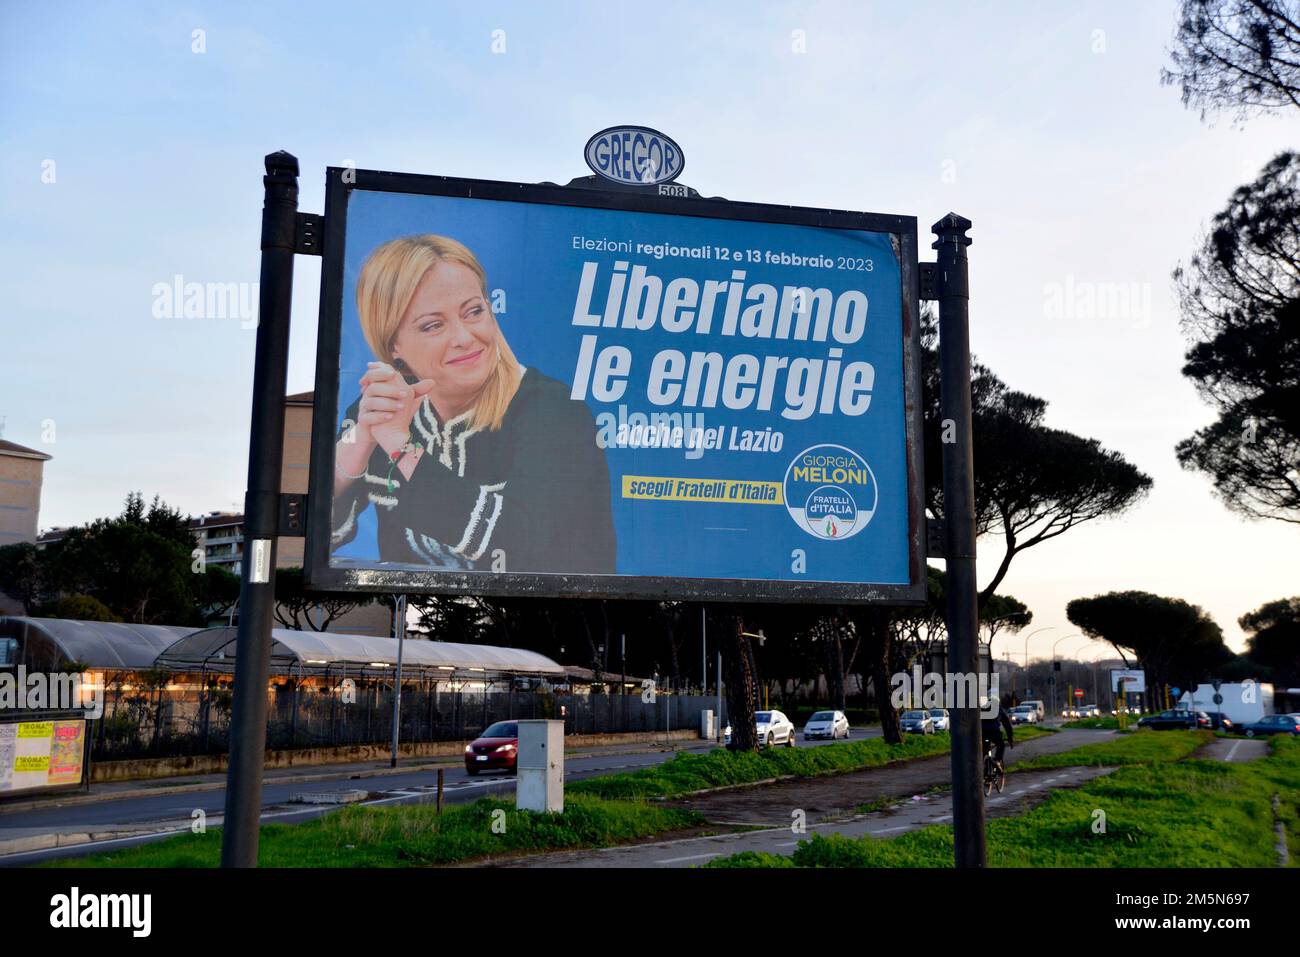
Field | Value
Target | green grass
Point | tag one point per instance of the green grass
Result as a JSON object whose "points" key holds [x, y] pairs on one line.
{"points": [[1189, 813], [1108, 723], [719, 768], [416, 836], [1142, 748], [1027, 732]]}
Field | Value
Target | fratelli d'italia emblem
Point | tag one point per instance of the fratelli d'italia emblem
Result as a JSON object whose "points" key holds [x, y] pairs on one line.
{"points": [[830, 492]]}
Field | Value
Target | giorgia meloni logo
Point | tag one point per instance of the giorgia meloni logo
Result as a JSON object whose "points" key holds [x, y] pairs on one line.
{"points": [[830, 492]]}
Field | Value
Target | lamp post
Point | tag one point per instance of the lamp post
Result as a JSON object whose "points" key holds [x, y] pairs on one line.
{"points": [[1054, 682], [1027, 637], [753, 664], [1087, 641], [704, 654]]}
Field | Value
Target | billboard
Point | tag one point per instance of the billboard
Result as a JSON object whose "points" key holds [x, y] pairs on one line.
{"points": [[1132, 681], [542, 390], [41, 754]]}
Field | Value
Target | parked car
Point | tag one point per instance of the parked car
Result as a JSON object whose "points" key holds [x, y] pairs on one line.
{"points": [[1024, 714], [1221, 722], [1273, 724], [773, 727], [917, 722], [826, 724], [1178, 719], [496, 749], [941, 720]]}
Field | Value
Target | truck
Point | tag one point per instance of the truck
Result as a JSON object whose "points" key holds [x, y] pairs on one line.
{"points": [[1242, 701]]}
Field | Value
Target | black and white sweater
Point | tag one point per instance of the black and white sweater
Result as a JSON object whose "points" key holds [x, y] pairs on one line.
{"points": [[533, 496]]}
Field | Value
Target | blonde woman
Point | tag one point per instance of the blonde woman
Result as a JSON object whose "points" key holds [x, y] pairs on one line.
{"points": [[471, 461]]}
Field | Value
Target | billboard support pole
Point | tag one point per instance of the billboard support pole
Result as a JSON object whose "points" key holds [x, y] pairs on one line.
{"points": [[953, 288], [399, 632], [239, 834]]}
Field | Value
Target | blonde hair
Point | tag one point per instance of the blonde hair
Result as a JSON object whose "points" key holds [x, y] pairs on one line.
{"points": [[384, 291]]}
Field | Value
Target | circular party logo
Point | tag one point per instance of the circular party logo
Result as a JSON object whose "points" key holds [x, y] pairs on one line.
{"points": [[830, 492]]}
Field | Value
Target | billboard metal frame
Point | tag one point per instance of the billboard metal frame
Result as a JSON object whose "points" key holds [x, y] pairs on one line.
{"points": [[321, 575]]}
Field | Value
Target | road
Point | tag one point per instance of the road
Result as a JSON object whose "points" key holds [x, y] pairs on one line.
{"points": [[113, 823]]}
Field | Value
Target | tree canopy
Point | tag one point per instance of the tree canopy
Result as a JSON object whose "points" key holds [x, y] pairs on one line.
{"points": [[1237, 56], [136, 567], [1032, 482], [298, 608], [1175, 642], [1273, 639], [1240, 303]]}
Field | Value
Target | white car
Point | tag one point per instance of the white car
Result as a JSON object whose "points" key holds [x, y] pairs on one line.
{"points": [[826, 724], [773, 728], [1024, 714], [1037, 706], [940, 717]]}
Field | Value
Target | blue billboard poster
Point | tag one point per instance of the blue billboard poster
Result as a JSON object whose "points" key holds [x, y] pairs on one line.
{"points": [[577, 398]]}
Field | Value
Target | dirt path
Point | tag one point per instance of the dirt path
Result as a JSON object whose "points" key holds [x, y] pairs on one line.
{"points": [[838, 795], [1024, 791]]}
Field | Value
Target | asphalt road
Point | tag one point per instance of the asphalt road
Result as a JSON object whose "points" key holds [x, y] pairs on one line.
{"points": [[121, 822]]}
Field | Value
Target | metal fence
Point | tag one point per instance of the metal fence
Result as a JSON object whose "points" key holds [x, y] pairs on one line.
{"points": [[162, 723]]}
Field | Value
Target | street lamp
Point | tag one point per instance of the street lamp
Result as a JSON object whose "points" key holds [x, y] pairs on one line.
{"points": [[753, 661], [1027, 637], [1030, 635], [1054, 681]]}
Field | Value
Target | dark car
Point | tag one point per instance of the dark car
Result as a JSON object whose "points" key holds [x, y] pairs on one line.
{"points": [[1221, 722], [1272, 724], [1179, 719], [496, 749]]}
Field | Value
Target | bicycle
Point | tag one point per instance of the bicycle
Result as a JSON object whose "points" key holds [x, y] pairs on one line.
{"points": [[995, 775]]}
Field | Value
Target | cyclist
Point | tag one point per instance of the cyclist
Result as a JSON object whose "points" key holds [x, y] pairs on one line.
{"points": [[992, 728]]}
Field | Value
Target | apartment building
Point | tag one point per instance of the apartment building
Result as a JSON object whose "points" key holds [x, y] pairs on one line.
{"points": [[21, 472]]}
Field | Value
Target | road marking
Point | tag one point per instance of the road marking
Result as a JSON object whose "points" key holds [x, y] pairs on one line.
{"points": [[693, 857], [896, 827], [788, 844], [1233, 751]]}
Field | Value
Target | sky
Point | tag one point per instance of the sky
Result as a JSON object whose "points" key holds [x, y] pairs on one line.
{"points": [[131, 146]]}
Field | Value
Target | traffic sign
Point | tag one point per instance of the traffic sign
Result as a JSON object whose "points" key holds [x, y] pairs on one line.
{"points": [[1078, 692]]}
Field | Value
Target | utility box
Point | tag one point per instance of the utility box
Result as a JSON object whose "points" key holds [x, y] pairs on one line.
{"points": [[540, 766], [708, 727]]}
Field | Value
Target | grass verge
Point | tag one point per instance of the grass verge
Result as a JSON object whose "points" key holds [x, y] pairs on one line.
{"points": [[1189, 813], [1109, 723], [416, 836], [1142, 748], [719, 768]]}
